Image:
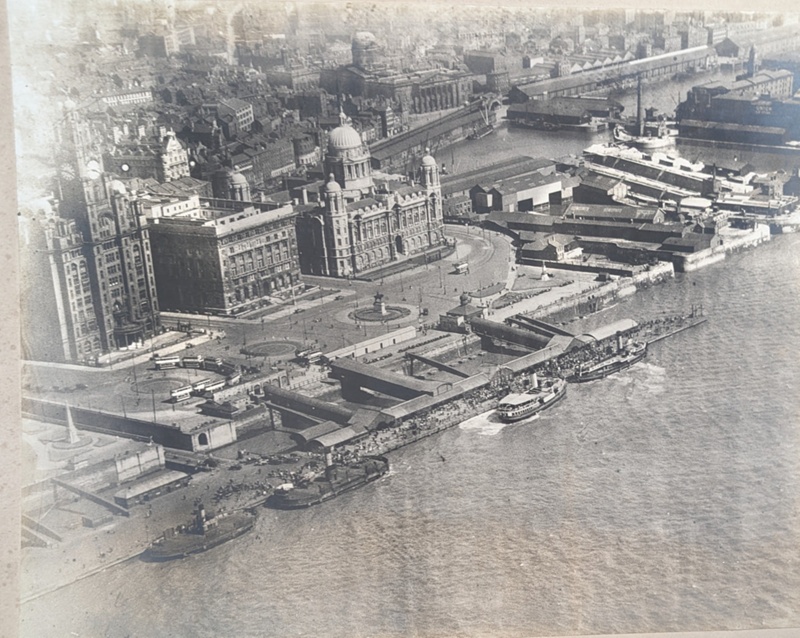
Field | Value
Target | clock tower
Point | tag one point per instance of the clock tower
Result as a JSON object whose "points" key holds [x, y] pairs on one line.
{"points": [[116, 240]]}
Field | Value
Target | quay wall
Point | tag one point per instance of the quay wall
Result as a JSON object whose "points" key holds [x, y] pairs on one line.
{"points": [[562, 265], [695, 261], [206, 437], [469, 340], [792, 152], [167, 435], [596, 298]]}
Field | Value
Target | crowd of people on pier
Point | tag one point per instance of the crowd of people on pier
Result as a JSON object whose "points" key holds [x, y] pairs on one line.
{"points": [[418, 426], [424, 424], [567, 363]]}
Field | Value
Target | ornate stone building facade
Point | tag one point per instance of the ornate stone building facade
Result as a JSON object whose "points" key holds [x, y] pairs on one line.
{"points": [[359, 225], [90, 287], [164, 160], [421, 91], [56, 300], [117, 243]]}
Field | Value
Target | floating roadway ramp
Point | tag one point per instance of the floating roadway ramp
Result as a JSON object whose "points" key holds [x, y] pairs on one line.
{"points": [[537, 325], [294, 401], [509, 334], [355, 375]]}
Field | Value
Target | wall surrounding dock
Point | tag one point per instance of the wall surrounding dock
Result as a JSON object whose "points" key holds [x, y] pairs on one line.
{"points": [[206, 437], [595, 299], [730, 244]]}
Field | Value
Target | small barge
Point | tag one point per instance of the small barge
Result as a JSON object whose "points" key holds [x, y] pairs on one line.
{"points": [[481, 132], [337, 479]]}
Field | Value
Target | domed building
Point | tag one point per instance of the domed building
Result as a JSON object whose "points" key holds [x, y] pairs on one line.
{"points": [[230, 184], [348, 160], [358, 226], [365, 50]]}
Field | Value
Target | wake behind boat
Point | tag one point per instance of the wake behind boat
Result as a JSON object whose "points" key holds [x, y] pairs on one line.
{"points": [[518, 406]]}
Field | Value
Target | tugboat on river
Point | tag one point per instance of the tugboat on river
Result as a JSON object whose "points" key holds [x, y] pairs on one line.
{"points": [[336, 480], [203, 533], [515, 407]]}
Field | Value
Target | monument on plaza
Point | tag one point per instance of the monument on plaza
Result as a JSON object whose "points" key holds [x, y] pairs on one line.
{"points": [[72, 432], [380, 304]]}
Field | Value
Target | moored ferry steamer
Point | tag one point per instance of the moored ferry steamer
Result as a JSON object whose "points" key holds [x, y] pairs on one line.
{"points": [[518, 406]]}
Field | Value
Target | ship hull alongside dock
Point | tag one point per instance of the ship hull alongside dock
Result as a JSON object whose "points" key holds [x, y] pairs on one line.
{"points": [[181, 545], [480, 133], [607, 367], [337, 480]]}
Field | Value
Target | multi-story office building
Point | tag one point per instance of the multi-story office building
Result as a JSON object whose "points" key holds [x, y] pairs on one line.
{"points": [[117, 245], [417, 92], [128, 97], [98, 250], [239, 110], [57, 302], [221, 255]]}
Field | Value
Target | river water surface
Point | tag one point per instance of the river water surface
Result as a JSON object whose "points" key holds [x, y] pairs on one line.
{"points": [[664, 498]]}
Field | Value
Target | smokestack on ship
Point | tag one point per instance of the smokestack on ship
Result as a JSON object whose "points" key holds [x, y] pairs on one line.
{"points": [[639, 107]]}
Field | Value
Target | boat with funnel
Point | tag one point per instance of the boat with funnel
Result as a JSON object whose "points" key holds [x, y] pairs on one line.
{"points": [[664, 137], [544, 394], [335, 480], [659, 136], [203, 533], [623, 358]]}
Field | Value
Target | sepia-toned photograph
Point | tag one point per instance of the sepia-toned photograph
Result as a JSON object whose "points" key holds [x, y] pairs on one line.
{"points": [[404, 319]]}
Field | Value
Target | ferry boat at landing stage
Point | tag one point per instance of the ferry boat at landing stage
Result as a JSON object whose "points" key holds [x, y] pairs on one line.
{"points": [[336, 480], [202, 534], [515, 407], [622, 359]]}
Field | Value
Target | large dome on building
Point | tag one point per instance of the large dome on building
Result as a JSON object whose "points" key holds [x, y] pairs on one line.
{"points": [[118, 187], [237, 179], [344, 138], [363, 39], [332, 186], [428, 159]]}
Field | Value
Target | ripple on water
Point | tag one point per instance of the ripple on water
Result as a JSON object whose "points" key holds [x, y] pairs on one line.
{"points": [[665, 498]]}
